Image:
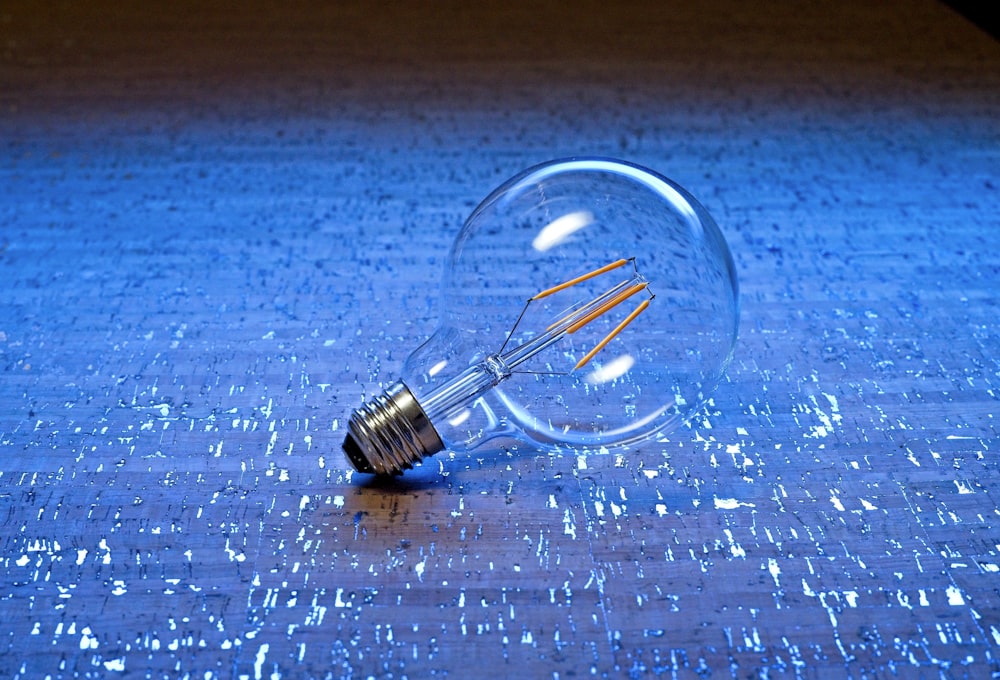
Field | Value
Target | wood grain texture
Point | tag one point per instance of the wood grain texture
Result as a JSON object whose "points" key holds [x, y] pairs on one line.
{"points": [[222, 226]]}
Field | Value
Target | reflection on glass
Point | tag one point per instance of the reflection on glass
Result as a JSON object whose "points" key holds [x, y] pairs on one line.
{"points": [[560, 229]]}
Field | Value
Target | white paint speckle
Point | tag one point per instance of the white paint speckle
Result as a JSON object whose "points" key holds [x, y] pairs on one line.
{"points": [[569, 526], [87, 639], [258, 664], [116, 665], [774, 570], [730, 504]]}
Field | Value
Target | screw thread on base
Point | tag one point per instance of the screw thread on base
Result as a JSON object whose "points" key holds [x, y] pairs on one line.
{"points": [[390, 433]]}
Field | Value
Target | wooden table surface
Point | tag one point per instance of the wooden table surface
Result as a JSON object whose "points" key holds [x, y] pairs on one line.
{"points": [[223, 225]]}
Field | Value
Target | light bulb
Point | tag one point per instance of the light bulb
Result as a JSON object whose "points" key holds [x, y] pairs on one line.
{"points": [[587, 303]]}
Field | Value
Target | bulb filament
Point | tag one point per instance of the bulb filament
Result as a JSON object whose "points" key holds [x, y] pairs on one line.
{"points": [[479, 379], [580, 279], [583, 315]]}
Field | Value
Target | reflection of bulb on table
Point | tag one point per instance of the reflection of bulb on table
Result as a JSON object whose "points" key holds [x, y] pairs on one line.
{"points": [[586, 303]]}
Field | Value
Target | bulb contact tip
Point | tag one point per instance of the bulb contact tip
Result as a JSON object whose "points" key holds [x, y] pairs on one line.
{"points": [[390, 433], [356, 455]]}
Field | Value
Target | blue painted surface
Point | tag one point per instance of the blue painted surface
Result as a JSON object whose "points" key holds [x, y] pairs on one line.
{"points": [[220, 229]]}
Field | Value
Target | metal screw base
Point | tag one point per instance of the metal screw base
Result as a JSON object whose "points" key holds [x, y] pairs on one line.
{"points": [[390, 433]]}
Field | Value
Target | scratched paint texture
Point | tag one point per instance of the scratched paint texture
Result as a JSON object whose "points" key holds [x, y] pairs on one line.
{"points": [[221, 228]]}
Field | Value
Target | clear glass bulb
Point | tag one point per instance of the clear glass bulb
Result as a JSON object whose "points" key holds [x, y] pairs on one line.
{"points": [[586, 303]]}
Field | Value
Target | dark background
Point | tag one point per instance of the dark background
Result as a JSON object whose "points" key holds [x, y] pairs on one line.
{"points": [[221, 227]]}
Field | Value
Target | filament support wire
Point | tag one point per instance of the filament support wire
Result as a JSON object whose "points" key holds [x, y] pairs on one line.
{"points": [[390, 433]]}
